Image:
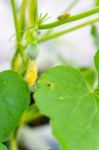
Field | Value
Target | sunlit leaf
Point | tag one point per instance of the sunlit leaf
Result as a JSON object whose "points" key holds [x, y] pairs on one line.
{"points": [[63, 95]]}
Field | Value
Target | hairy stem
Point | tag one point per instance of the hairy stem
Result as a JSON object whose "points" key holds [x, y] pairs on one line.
{"points": [[70, 19]]}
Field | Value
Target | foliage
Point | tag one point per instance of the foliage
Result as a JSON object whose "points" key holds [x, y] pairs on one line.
{"points": [[64, 94], [72, 109], [14, 99], [2, 147]]}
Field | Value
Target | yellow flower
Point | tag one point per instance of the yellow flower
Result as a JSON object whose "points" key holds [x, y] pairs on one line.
{"points": [[31, 74]]}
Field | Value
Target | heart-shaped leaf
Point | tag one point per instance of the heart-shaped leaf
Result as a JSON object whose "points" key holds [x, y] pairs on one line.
{"points": [[63, 95], [14, 99]]}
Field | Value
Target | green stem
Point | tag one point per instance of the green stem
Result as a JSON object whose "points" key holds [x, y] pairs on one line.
{"points": [[70, 19], [13, 143], [17, 33], [33, 12], [22, 15], [19, 25], [15, 19], [55, 35], [31, 114]]}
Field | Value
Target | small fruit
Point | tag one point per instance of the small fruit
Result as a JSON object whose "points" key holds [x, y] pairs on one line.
{"points": [[32, 50]]}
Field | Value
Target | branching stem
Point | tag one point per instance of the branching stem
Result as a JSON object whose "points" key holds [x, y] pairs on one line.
{"points": [[70, 19]]}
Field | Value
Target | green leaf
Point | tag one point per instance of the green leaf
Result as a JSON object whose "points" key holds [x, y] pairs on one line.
{"points": [[96, 60], [63, 95], [2, 147], [14, 99]]}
